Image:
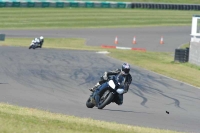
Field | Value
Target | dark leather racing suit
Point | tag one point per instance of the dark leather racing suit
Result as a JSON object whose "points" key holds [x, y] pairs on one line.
{"points": [[119, 99]]}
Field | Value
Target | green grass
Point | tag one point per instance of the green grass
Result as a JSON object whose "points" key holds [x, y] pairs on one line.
{"points": [[185, 46], [14, 119], [49, 18]]}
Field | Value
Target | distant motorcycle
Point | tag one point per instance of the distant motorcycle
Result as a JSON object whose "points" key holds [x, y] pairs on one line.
{"points": [[34, 44], [112, 89]]}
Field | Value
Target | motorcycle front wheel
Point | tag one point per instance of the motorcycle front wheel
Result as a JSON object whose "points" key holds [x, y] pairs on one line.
{"points": [[105, 99]]}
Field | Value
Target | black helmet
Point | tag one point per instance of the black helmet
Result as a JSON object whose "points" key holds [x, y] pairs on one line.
{"points": [[125, 68]]}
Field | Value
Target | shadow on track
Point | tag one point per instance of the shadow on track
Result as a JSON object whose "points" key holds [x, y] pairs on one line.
{"points": [[125, 111]]}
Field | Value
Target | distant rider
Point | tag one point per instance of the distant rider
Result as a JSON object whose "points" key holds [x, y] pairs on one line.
{"points": [[41, 41], [37, 43], [124, 71]]}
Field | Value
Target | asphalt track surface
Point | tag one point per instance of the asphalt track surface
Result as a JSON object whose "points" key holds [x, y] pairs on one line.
{"points": [[58, 81], [146, 37]]}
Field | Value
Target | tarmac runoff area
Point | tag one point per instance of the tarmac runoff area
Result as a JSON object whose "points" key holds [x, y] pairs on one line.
{"points": [[58, 81]]}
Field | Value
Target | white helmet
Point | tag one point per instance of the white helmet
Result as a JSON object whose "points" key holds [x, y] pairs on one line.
{"points": [[41, 37]]}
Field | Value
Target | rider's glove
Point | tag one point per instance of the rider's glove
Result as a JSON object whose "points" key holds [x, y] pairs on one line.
{"points": [[105, 77], [125, 91], [126, 87]]}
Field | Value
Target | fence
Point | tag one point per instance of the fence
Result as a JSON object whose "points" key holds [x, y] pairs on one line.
{"points": [[96, 4]]}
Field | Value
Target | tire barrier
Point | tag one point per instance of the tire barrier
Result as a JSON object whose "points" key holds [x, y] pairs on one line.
{"points": [[62, 4], [166, 6], [181, 55], [2, 37]]}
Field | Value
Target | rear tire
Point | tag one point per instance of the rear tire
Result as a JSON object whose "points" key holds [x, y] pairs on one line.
{"points": [[107, 101], [89, 104]]}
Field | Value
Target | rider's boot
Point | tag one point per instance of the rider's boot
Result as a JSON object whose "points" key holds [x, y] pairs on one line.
{"points": [[95, 87], [92, 100]]}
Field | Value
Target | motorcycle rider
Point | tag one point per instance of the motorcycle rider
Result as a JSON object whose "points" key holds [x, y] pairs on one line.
{"points": [[37, 43], [41, 41], [124, 71]]}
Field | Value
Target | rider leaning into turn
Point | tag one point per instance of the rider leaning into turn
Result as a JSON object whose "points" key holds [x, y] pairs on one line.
{"points": [[41, 41], [123, 71], [38, 42]]}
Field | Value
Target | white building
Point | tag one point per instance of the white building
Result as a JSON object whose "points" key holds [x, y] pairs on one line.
{"points": [[194, 54]]}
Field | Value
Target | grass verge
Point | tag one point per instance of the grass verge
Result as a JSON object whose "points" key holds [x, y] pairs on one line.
{"points": [[54, 18], [14, 119], [58, 43], [185, 46]]}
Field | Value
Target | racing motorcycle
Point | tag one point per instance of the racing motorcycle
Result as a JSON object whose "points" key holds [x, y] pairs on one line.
{"points": [[113, 88], [34, 45]]}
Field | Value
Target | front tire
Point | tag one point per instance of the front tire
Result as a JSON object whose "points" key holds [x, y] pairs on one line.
{"points": [[106, 101], [89, 104]]}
